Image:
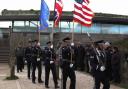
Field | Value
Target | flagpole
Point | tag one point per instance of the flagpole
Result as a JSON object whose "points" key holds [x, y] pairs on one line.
{"points": [[72, 38], [39, 35], [72, 42], [52, 32]]}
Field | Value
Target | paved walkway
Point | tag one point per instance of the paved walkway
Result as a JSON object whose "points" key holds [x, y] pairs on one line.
{"points": [[84, 81]]}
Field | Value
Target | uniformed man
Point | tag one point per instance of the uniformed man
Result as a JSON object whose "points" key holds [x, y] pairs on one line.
{"points": [[28, 57], [19, 52], [98, 65], [50, 58], [36, 62], [68, 64]]}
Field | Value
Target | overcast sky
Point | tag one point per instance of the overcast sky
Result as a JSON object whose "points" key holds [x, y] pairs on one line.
{"points": [[104, 6]]}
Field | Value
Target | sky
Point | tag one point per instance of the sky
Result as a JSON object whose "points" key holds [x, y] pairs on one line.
{"points": [[99, 6]]}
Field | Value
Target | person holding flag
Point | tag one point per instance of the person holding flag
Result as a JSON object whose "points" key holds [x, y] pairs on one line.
{"points": [[68, 60]]}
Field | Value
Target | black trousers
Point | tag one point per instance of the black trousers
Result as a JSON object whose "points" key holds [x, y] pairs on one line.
{"points": [[19, 63], [51, 67], [68, 72], [101, 78], [116, 74], [28, 68], [39, 67]]}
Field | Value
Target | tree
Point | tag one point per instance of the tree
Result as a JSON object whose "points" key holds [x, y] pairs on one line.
{"points": [[12, 58]]}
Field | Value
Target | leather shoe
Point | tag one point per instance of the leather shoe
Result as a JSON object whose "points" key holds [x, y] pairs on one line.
{"points": [[46, 86], [33, 82], [41, 81], [57, 86]]}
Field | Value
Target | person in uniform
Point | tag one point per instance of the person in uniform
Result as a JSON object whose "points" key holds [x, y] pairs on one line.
{"points": [[28, 57], [19, 52], [98, 65], [68, 64], [36, 61], [49, 62]]}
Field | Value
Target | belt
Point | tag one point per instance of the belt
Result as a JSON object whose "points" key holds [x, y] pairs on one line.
{"points": [[66, 60]]}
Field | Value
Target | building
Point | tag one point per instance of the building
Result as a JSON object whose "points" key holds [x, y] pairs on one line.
{"points": [[24, 25]]}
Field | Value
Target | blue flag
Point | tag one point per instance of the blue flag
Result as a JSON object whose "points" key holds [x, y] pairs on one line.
{"points": [[44, 15]]}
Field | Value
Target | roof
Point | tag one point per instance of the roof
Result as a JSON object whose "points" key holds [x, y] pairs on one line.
{"points": [[32, 15]]}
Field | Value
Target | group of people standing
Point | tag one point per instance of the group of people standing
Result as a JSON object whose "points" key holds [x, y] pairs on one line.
{"points": [[102, 60], [34, 56], [104, 64]]}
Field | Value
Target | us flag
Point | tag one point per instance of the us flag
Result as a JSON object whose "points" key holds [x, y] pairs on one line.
{"points": [[82, 13], [58, 12]]}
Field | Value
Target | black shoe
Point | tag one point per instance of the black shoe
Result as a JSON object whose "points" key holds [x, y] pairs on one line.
{"points": [[57, 86], [46, 86], [40, 81], [29, 78], [33, 82]]}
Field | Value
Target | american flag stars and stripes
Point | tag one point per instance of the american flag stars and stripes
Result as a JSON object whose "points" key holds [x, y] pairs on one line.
{"points": [[82, 13]]}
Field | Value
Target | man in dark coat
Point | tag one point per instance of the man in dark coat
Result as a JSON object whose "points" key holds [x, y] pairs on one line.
{"points": [[68, 64], [98, 65], [19, 52], [108, 51], [116, 57], [36, 61], [80, 56], [28, 57], [50, 58]]}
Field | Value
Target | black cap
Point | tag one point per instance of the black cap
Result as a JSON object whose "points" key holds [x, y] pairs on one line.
{"points": [[49, 42], [66, 38]]}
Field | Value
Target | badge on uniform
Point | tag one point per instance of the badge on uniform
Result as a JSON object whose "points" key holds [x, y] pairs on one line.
{"points": [[71, 65], [38, 59]]}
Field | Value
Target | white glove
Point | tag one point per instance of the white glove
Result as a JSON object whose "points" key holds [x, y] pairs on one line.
{"points": [[51, 62], [102, 68], [25, 61], [71, 65], [38, 59]]}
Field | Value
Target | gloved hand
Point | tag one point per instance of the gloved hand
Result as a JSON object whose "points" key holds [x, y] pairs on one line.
{"points": [[51, 62], [102, 68], [71, 65]]}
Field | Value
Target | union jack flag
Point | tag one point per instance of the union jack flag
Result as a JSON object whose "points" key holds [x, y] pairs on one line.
{"points": [[58, 12]]}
